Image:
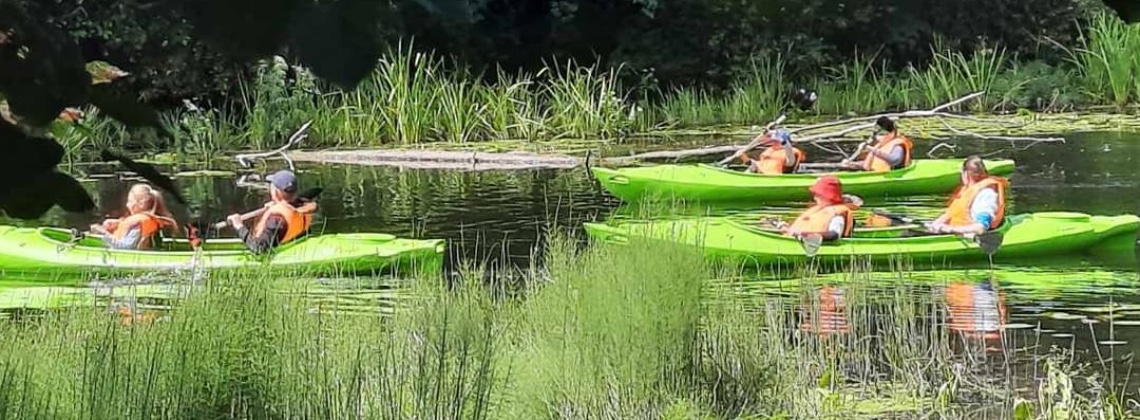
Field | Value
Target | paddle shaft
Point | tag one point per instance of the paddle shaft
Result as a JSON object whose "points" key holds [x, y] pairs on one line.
{"points": [[300, 200], [756, 141], [244, 217]]}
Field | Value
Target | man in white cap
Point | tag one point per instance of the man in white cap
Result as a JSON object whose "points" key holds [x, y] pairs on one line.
{"points": [[281, 222]]}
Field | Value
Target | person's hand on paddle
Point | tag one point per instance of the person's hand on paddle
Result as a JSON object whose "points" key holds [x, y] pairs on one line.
{"points": [[98, 229], [935, 227], [235, 221]]}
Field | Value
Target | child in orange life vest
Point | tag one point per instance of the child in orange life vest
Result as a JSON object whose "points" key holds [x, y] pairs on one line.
{"points": [[281, 222], [979, 204], [777, 159], [887, 152], [148, 215], [831, 216]]}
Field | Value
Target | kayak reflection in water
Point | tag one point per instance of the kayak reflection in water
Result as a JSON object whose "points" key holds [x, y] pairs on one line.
{"points": [[977, 206], [284, 219], [976, 313], [831, 216], [779, 158], [884, 153], [829, 316], [147, 216]]}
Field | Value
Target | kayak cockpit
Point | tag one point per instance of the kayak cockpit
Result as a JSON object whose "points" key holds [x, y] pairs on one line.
{"points": [[63, 237], [846, 174]]}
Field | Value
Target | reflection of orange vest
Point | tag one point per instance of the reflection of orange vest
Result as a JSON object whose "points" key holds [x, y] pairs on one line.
{"points": [[975, 312], [147, 223], [296, 222], [773, 161], [832, 315], [816, 218], [958, 212], [888, 142]]}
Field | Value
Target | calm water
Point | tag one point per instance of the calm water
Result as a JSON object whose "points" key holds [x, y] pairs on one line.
{"points": [[501, 218]]}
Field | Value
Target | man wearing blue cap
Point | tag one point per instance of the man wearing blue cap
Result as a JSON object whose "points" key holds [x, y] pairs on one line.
{"points": [[781, 156], [282, 221]]}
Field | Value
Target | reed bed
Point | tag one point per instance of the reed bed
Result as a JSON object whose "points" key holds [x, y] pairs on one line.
{"points": [[599, 332]]}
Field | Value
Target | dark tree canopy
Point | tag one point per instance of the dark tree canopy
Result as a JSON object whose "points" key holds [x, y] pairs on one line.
{"points": [[43, 72]]}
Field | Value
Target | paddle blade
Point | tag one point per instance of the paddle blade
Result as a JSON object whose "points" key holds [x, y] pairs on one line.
{"points": [[990, 242], [811, 244]]}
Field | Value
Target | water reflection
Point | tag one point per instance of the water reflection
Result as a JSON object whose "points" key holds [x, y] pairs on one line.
{"points": [[976, 314], [826, 314]]}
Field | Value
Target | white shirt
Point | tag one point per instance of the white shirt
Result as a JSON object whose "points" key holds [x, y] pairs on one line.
{"points": [[838, 225], [984, 207]]}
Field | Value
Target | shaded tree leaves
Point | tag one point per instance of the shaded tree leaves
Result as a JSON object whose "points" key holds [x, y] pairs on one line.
{"points": [[340, 41], [1129, 10], [29, 183], [41, 69], [246, 29]]}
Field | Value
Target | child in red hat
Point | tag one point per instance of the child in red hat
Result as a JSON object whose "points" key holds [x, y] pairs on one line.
{"points": [[831, 216]]}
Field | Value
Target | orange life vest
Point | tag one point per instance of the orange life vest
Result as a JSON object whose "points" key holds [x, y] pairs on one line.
{"points": [[885, 145], [816, 218], [774, 160], [148, 225], [958, 212], [296, 222], [975, 312]]}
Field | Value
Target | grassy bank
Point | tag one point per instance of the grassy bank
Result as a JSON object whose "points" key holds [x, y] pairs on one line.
{"points": [[416, 98], [631, 332]]}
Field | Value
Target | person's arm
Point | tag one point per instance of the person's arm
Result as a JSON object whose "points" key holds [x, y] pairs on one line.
{"points": [[983, 210], [834, 230], [129, 241], [270, 237], [894, 158]]}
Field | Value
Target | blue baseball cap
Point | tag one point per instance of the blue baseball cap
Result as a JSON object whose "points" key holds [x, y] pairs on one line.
{"points": [[782, 136], [284, 181]]}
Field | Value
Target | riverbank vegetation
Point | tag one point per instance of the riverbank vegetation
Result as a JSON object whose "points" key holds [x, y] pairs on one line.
{"points": [[605, 332], [414, 97]]}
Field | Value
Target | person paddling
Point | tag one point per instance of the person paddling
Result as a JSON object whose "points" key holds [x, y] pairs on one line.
{"points": [[147, 217], [781, 156], [831, 216], [977, 206], [887, 152], [282, 221]]}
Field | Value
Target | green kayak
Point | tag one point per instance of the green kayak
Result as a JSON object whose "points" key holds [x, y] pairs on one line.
{"points": [[1025, 236], [47, 251], [709, 183]]}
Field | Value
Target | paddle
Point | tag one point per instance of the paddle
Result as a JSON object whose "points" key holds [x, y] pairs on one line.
{"points": [[989, 241], [810, 242], [755, 141], [301, 199]]}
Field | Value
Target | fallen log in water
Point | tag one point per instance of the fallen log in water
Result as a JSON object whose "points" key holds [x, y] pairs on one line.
{"points": [[434, 159]]}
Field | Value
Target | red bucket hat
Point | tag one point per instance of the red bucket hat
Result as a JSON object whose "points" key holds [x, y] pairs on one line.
{"points": [[828, 188]]}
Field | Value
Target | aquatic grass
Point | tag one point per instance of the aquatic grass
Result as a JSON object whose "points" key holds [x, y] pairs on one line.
{"points": [[1106, 60], [642, 330]]}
